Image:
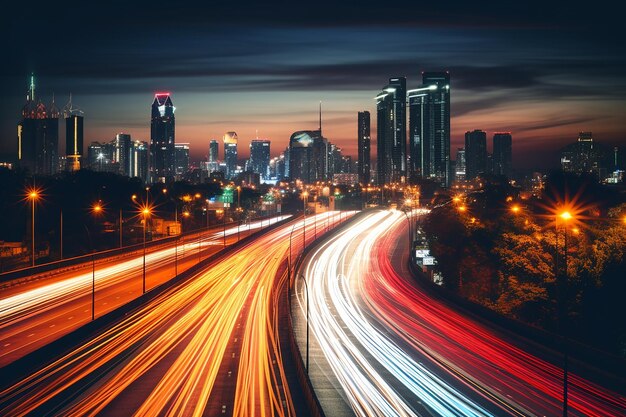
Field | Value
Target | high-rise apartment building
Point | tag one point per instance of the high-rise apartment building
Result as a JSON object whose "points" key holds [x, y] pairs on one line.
{"points": [[475, 154], [391, 129], [162, 139], [73, 136], [364, 143], [429, 128], [502, 154], [230, 154], [260, 157], [38, 135]]}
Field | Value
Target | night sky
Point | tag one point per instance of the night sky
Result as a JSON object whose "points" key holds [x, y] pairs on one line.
{"points": [[542, 71]]}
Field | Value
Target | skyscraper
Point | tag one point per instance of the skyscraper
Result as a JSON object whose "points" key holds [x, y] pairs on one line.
{"points": [[73, 136], [230, 154], [139, 160], [122, 154], [302, 164], [213, 157], [363, 142], [162, 139], [475, 154], [502, 154], [460, 165], [429, 128], [182, 159], [391, 129], [587, 156], [100, 157], [214, 149], [38, 135], [260, 157]]}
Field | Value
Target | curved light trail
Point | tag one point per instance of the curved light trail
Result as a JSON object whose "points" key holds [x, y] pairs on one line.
{"points": [[40, 309], [354, 348], [390, 346], [164, 357]]}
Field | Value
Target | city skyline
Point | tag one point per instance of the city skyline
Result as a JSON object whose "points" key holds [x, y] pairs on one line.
{"points": [[537, 77]]}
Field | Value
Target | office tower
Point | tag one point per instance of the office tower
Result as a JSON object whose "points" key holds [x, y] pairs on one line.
{"points": [[213, 156], [260, 157], [460, 165], [308, 156], [38, 135], [502, 154], [162, 139], [277, 167], [363, 142], [181, 151], [214, 148], [475, 154], [122, 154], [391, 129], [587, 156], [139, 165], [100, 157], [73, 136], [230, 154], [429, 128]]}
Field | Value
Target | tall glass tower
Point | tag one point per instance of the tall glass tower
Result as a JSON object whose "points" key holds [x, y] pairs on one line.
{"points": [[162, 139], [73, 136], [391, 129], [230, 154], [429, 128], [364, 139]]}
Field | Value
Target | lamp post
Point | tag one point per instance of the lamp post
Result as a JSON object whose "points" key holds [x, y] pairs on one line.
{"points": [[146, 213], [121, 228], [33, 196], [93, 276], [306, 285], [61, 233], [565, 216], [96, 210], [305, 194]]}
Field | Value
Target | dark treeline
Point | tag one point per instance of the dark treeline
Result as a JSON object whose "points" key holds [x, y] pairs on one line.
{"points": [[508, 260], [75, 194]]}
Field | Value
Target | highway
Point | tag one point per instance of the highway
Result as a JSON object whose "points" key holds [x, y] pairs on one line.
{"points": [[206, 346], [381, 346], [35, 313]]}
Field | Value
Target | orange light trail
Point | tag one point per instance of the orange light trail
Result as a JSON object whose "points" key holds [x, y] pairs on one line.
{"points": [[183, 335]]}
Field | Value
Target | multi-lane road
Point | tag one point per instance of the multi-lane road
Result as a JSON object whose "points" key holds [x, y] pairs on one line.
{"points": [[381, 346], [35, 313], [206, 346]]}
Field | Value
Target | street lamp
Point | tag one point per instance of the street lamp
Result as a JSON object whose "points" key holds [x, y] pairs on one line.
{"points": [[307, 321], [305, 194], [145, 212], [33, 194], [565, 216]]}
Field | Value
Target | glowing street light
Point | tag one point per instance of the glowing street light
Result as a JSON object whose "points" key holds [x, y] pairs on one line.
{"points": [[145, 211], [33, 194], [566, 217]]}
